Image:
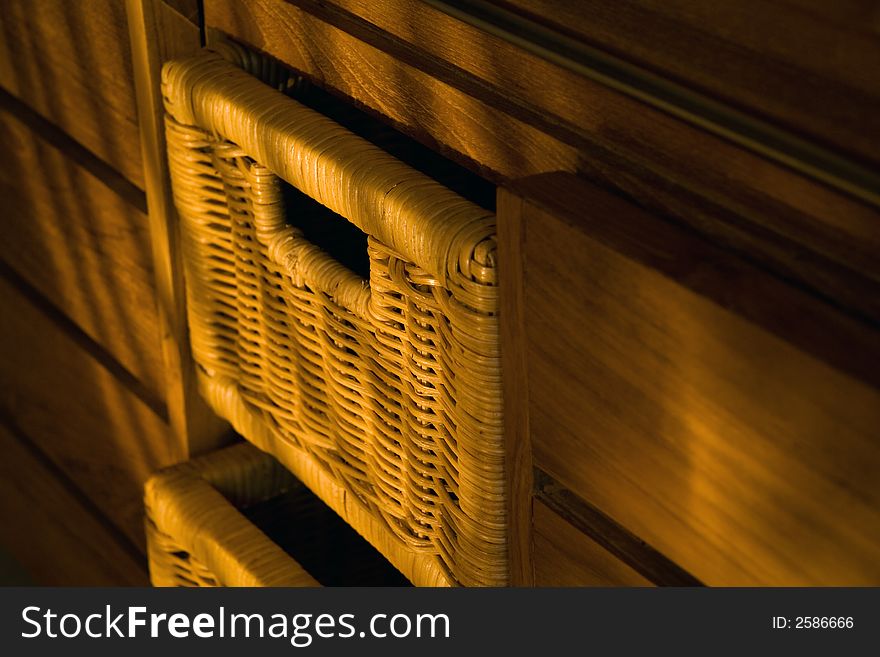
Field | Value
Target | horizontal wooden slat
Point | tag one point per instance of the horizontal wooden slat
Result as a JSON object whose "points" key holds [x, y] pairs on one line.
{"points": [[83, 246], [508, 114], [801, 66], [408, 97], [719, 414], [57, 538], [78, 413], [71, 62], [564, 556]]}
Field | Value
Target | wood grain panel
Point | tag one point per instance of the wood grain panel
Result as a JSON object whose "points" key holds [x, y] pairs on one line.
{"points": [[77, 412], [70, 61], [801, 66], [564, 556], [432, 111], [721, 415], [83, 246], [51, 532], [486, 102]]}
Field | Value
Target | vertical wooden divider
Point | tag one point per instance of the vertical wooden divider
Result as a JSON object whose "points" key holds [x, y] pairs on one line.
{"points": [[520, 478], [159, 33]]}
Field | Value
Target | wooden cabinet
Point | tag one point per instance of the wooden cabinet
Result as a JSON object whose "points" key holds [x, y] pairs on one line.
{"points": [[687, 239]]}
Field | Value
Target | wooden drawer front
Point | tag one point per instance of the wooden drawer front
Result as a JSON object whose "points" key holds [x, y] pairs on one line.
{"points": [[71, 62], [744, 457], [82, 246], [50, 532], [769, 56], [94, 428], [565, 556]]}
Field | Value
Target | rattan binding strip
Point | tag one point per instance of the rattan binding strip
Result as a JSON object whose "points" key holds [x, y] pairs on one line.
{"points": [[196, 536], [383, 396]]}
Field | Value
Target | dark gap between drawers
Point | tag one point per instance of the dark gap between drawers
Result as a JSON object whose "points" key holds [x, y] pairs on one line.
{"points": [[344, 241], [336, 236], [322, 542], [467, 184]]}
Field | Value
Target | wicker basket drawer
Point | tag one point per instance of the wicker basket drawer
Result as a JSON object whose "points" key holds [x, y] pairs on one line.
{"points": [[196, 533], [237, 517], [381, 392]]}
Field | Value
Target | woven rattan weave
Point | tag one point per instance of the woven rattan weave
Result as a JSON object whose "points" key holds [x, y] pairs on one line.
{"points": [[383, 396], [196, 536]]}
